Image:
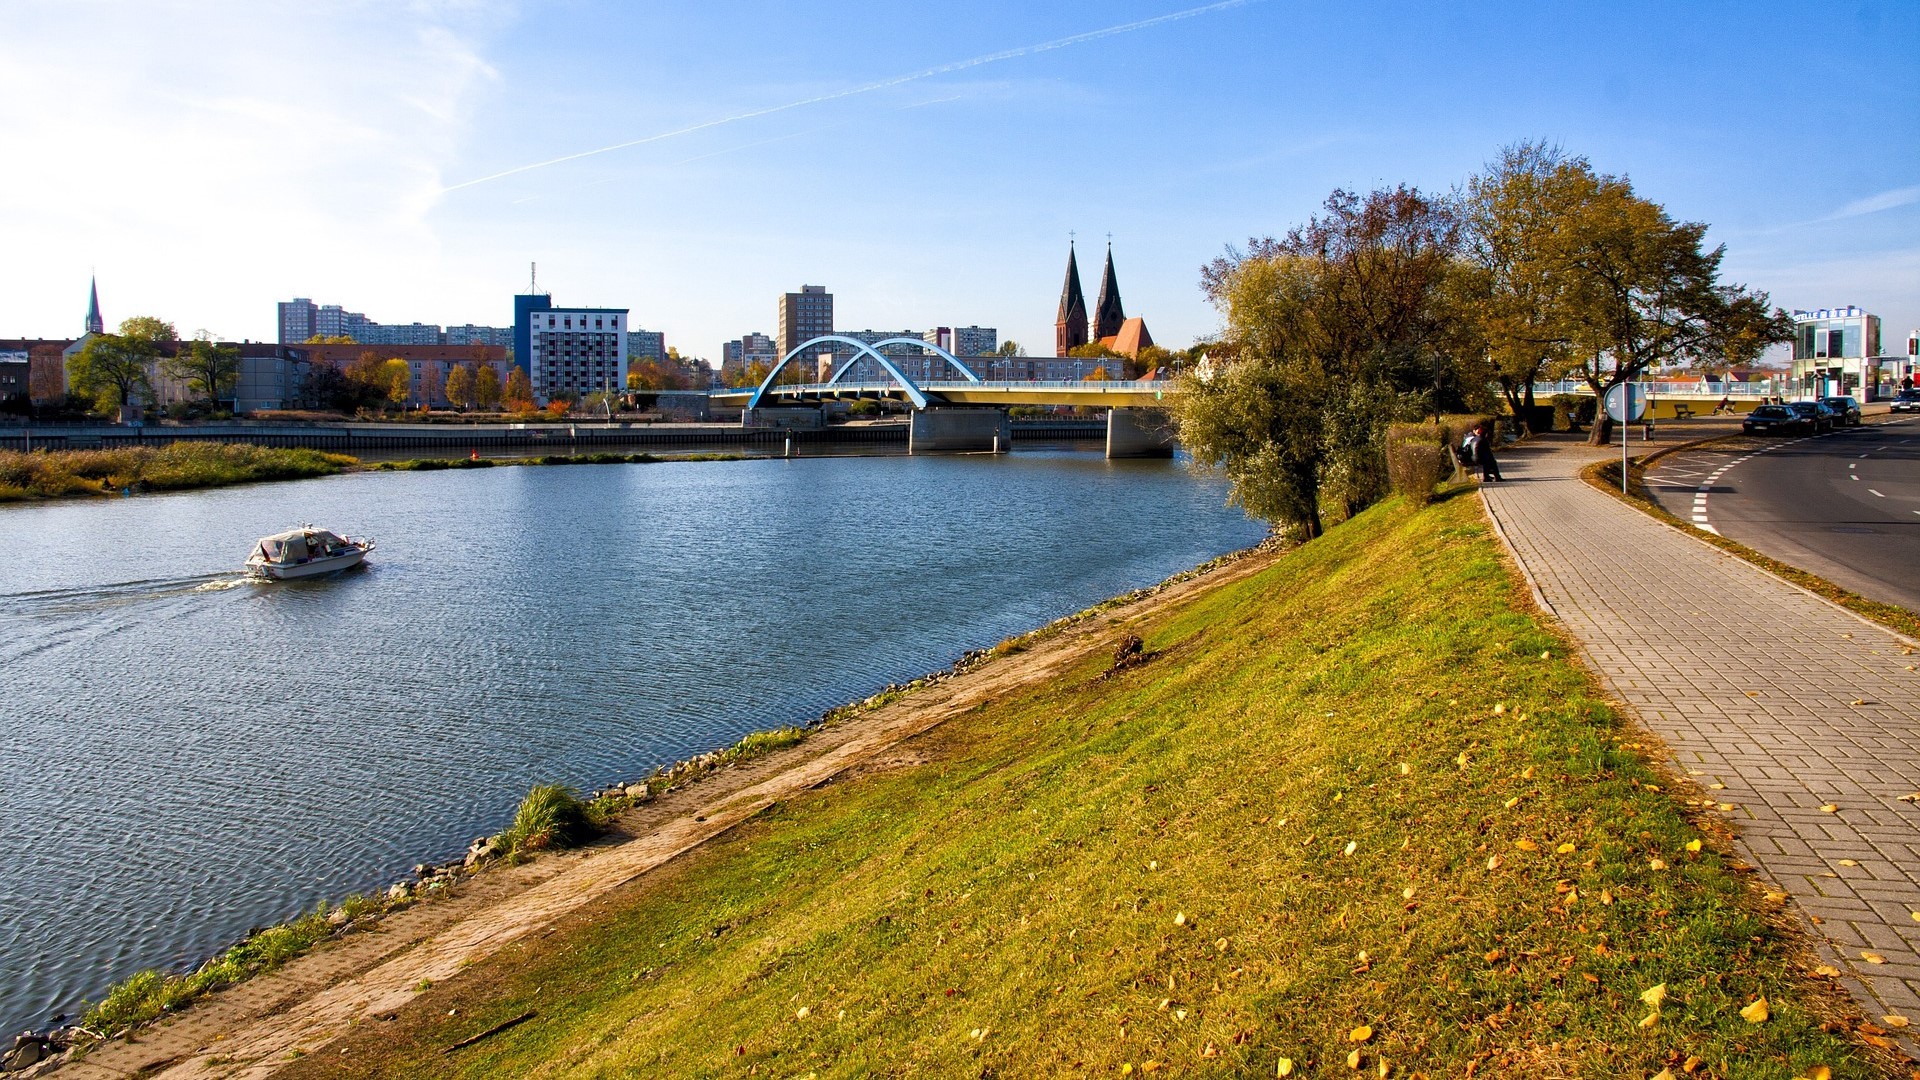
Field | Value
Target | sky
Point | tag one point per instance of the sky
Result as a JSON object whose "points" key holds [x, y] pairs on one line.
{"points": [[926, 162]]}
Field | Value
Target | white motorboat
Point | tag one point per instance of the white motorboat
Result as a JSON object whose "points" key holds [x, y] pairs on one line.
{"points": [[306, 552]]}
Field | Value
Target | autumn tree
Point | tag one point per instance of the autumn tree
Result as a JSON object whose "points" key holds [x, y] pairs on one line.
{"points": [[486, 387], [396, 378], [459, 387], [208, 368], [519, 390], [1333, 332], [115, 370], [433, 383]]}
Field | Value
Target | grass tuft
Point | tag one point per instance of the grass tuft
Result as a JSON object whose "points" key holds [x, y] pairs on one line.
{"points": [[550, 818]]}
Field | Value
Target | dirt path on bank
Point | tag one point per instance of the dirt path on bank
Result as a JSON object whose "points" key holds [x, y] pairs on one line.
{"points": [[253, 1029]]}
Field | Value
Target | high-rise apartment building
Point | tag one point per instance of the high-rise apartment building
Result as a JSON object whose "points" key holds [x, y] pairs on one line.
{"points": [[647, 344], [301, 320], [576, 350], [804, 315], [965, 340]]}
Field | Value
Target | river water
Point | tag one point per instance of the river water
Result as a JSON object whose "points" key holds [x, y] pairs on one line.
{"points": [[185, 754]]}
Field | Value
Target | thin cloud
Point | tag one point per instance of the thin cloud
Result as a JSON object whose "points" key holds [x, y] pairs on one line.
{"points": [[884, 84], [1873, 204]]}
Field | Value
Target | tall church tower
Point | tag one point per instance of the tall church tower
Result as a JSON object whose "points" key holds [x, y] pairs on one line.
{"points": [[1108, 315], [1070, 329], [95, 325]]}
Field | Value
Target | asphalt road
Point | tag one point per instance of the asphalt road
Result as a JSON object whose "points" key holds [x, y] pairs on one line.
{"points": [[1845, 506]]}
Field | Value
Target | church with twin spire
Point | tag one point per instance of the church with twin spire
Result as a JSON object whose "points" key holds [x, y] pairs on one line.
{"points": [[1109, 325]]}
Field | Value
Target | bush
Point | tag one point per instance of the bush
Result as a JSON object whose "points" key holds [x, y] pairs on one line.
{"points": [[1418, 459], [551, 817]]}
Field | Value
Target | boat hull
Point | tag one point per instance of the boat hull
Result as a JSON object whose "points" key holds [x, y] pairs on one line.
{"points": [[310, 568]]}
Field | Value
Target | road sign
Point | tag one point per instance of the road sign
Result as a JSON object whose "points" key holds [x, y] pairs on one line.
{"points": [[1627, 402]]}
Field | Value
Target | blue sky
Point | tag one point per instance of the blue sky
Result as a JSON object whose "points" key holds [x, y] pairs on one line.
{"points": [[926, 162]]}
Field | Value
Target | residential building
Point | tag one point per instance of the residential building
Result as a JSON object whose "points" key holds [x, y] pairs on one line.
{"points": [[647, 344], [803, 316], [1836, 352], [16, 379], [527, 306], [966, 340], [577, 351], [46, 363], [428, 365], [301, 320]]}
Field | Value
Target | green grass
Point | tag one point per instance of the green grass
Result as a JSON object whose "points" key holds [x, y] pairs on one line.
{"points": [[177, 466], [1361, 787], [149, 994]]}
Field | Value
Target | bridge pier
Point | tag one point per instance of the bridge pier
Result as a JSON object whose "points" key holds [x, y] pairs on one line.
{"points": [[1139, 433], [959, 431], [786, 417]]}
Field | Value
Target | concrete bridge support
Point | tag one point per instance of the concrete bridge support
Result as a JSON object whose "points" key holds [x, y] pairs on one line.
{"points": [[959, 431], [784, 417], [1136, 433]]}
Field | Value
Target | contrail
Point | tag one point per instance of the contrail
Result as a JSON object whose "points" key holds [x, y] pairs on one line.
{"points": [[944, 69]]}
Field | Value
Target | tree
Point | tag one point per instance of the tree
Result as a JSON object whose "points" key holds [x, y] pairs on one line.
{"points": [[433, 384], [460, 386], [486, 387], [1010, 347], [396, 377], [333, 339], [115, 369], [1642, 293], [208, 368], [1098, 374], [1332, 333], [519, 391]]}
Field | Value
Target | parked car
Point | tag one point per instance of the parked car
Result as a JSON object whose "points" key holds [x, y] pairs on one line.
{"points": [[1773, 420], [1845, 410], [1906, 401], [1816, 414]]}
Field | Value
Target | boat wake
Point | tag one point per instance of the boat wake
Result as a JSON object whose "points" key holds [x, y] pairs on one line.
{"points": [[118, 594]]}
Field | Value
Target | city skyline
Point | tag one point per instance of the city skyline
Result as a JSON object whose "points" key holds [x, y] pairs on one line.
{"points": [[926, 168]]}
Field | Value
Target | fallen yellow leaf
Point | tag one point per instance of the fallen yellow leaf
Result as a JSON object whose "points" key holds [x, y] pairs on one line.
{"points": [[1404, 770], [1776, 897], [1664, 1074], [1873, 958], [1716, 787], [1179, 918], [1656, 864], [803, 1013], [1180, 1014], [1819, 1072], [1654, 995], [1848, 862], [1726, 807], [1493, 862], [1285, 1068], [1353, 1061], [1406, 893], [1351, 845], [1513, 802], [1461, 760], [1499, 709], [1828, 970], [1829, 808], [1895, 1021], [1526, 845], [1606, 897], [1526, 773], [1564, 849], [1755, 1013], [1383, 1069], [1360, 1034], [1693, 845], [1692, 1064], [1651, 1020], [1127, 1069], [1545, 655], [1221, 944]]}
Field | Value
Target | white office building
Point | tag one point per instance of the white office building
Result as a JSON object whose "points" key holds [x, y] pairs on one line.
{"points": [[577, 351]]}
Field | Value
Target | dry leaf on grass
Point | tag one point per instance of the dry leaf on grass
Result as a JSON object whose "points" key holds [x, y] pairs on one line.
{"points": [[1564, 849], [1654, 995], [1756, 1013], [1526, 845], [1650, 1020], [1656, 864], [1360, 1034], [1693, 845], [1828, 970], [1285, 1068]]}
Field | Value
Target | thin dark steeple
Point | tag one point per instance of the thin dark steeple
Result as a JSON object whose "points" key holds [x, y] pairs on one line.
{"points": [[95, 325], [1109, 315], [1070, 329]]}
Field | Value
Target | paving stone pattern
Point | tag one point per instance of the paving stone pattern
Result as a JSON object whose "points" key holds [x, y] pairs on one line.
{"points": [[1791, 702]]}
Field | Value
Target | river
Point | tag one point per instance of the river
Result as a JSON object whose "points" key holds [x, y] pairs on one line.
{"points": [[185, 754]]}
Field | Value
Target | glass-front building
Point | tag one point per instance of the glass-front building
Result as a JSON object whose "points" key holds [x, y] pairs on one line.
{"points": [[1836, 352]]}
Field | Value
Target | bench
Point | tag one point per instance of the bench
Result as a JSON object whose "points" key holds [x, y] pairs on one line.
{"points": [[1682, 411]]}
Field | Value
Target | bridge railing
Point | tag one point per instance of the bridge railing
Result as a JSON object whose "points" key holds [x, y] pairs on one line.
{"points": [[1758, 388], [1129, 385]]}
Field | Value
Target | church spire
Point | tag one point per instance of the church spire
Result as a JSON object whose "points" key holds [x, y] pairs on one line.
{"points": [[1108, 314], [1070, 329], [95, 325]]}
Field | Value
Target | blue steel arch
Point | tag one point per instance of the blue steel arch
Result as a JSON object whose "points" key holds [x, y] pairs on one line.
{"points": [[913, 391]]}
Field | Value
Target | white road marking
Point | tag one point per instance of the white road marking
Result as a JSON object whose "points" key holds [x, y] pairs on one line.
{"points": [[1871, 491]]}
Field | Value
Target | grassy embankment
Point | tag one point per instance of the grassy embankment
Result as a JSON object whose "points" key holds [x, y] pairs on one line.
{"points": [[177, 466], [1358, 803]]}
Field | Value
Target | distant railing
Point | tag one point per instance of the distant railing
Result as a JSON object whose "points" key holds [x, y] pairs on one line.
{"points": [[1767, 388], [1130, 385]]}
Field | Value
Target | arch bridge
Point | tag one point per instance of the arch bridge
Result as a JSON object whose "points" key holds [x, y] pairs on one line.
{"points": [[967, 412]]}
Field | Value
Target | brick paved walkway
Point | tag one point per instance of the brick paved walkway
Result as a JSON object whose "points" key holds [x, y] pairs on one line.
{"points": [[1792, 703]]}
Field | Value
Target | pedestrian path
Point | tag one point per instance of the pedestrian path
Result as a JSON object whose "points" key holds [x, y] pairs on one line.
{"points": [[1807, 714]]}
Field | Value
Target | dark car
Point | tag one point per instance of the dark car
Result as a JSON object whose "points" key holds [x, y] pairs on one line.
{"points": [[1906, 401], [1773, 419], [1845, 410], [1817, 415]]}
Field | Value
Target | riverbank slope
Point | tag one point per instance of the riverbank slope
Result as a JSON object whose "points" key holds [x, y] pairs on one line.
{"points": [[1354, 807]]}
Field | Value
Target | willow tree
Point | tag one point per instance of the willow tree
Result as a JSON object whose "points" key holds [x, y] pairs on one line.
{"points": [[1330, 334]]}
